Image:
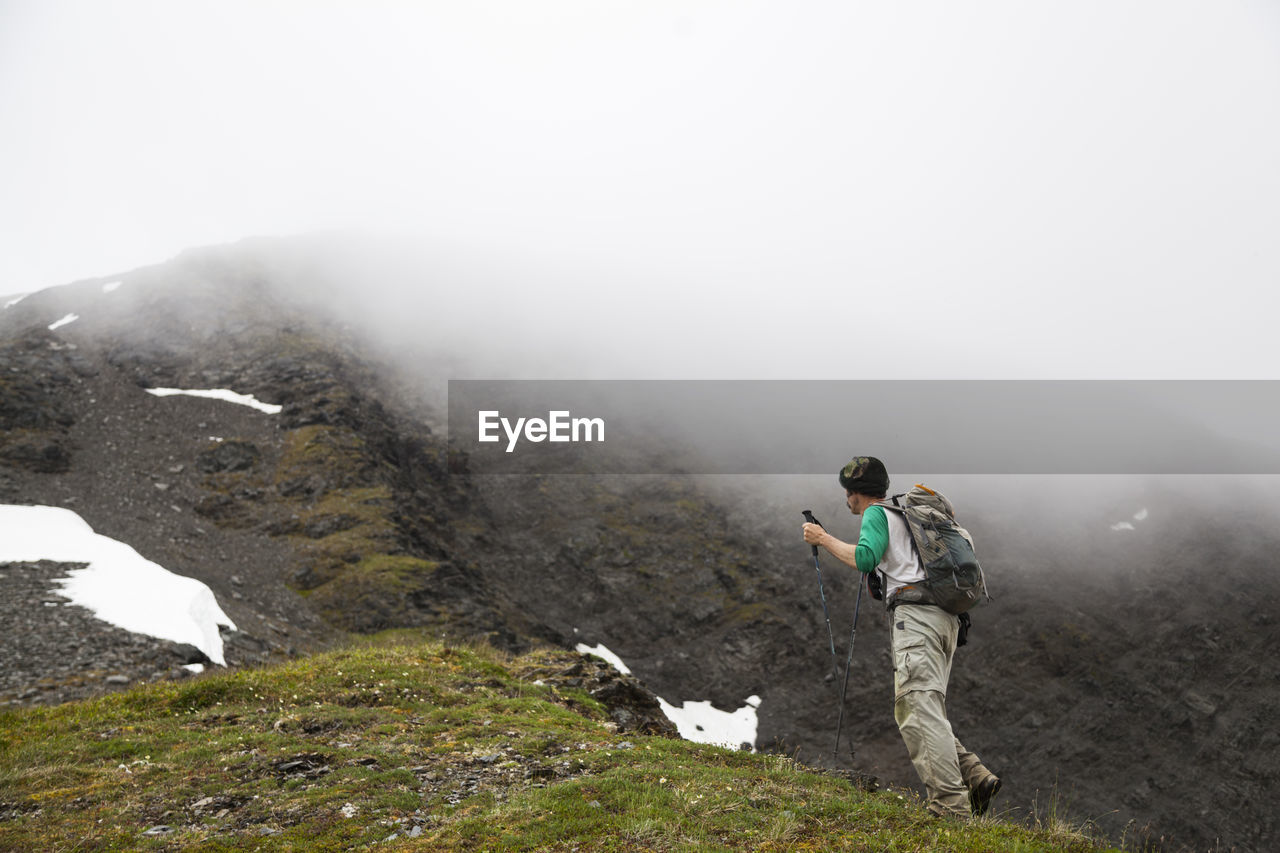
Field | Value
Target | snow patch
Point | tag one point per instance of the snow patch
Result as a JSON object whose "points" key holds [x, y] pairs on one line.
{"points": [[700, 722], [16, 300], [119, 585], [197, 668], [1123, 525], [110, 286], [219, 394], [58, 324], [601, 651], [1141, 515]]}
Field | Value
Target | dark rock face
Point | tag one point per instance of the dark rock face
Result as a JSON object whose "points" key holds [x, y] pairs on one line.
{"points": [[1110, 689]]}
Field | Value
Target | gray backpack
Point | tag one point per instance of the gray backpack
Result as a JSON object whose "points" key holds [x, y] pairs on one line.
{"points": [[953, 578]]}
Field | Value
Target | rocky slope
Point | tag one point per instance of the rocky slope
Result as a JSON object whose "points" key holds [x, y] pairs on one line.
{"points": [[1108, 674]]}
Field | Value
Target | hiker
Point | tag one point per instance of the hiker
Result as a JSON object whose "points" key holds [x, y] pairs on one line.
{"points": [[924, 638]]}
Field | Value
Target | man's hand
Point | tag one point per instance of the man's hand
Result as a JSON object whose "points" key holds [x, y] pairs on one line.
{"points": [[842, 551], [813, 533]]}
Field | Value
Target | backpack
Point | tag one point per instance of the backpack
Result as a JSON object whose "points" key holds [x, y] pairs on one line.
{"points": [[953, 578]]}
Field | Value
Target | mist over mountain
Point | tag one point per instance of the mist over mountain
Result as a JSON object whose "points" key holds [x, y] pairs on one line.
{"points": [[1122, 669]]}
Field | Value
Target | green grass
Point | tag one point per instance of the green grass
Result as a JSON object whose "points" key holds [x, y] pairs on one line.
{"points": [[344, 749]]}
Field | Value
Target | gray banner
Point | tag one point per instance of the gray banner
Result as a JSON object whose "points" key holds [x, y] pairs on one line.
{"points": [[812, 427]]}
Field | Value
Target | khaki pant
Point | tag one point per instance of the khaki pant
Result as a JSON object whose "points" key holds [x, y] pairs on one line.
{"points": [[924, 641]]}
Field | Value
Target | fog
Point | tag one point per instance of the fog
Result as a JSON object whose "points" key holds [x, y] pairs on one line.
{"points": [[587, 190], [728, 189], [671, 190]]}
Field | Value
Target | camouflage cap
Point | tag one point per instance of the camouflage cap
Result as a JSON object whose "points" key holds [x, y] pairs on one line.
{"points": [[865, 475]]}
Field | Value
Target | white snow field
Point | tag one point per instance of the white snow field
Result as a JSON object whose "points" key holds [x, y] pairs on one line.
{"points": [[219, 394], [699, 722], [119, 585], [58, 324]]}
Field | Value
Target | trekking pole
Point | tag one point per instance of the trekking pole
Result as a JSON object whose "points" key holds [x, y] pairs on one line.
{"points": [[848, 661], [835, 669]]}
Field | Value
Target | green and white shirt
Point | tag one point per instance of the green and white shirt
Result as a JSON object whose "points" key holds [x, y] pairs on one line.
{"points": [[884, 545]]}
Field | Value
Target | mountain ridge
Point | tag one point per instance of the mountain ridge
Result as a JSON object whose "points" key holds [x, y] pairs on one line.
{"points": [[347, 512]]}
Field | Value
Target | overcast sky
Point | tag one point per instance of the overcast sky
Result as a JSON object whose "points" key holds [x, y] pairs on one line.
{"points": [[940, 189]]}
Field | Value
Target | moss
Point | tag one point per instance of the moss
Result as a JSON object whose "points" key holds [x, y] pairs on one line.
{"points": [[320, 450], [362, 546], [394, 572], [374, 592], [367, 506], [343, 517]]}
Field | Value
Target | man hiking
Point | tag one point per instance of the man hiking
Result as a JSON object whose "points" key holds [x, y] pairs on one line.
{"points": [[924, 638]]}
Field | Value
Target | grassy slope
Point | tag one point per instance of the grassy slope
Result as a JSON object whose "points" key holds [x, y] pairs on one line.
{"points": [[457, 745]]}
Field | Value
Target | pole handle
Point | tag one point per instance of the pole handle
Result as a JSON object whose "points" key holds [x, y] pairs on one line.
{"points": [[809, 517]]}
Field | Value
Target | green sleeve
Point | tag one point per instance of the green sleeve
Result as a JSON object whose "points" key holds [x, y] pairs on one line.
{"points": [[872, 541]]}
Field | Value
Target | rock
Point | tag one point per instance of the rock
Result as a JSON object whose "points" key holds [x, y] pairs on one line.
{"points": [[240, 641], [308, 766], [189, 654], [1200, 704], [117, 679], [328, 525], [863, 781], [230, 455], [633, 707], [158, 830]]}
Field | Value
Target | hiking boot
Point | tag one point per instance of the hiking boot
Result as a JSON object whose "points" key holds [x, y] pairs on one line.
{"points": [[980, 796]]}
